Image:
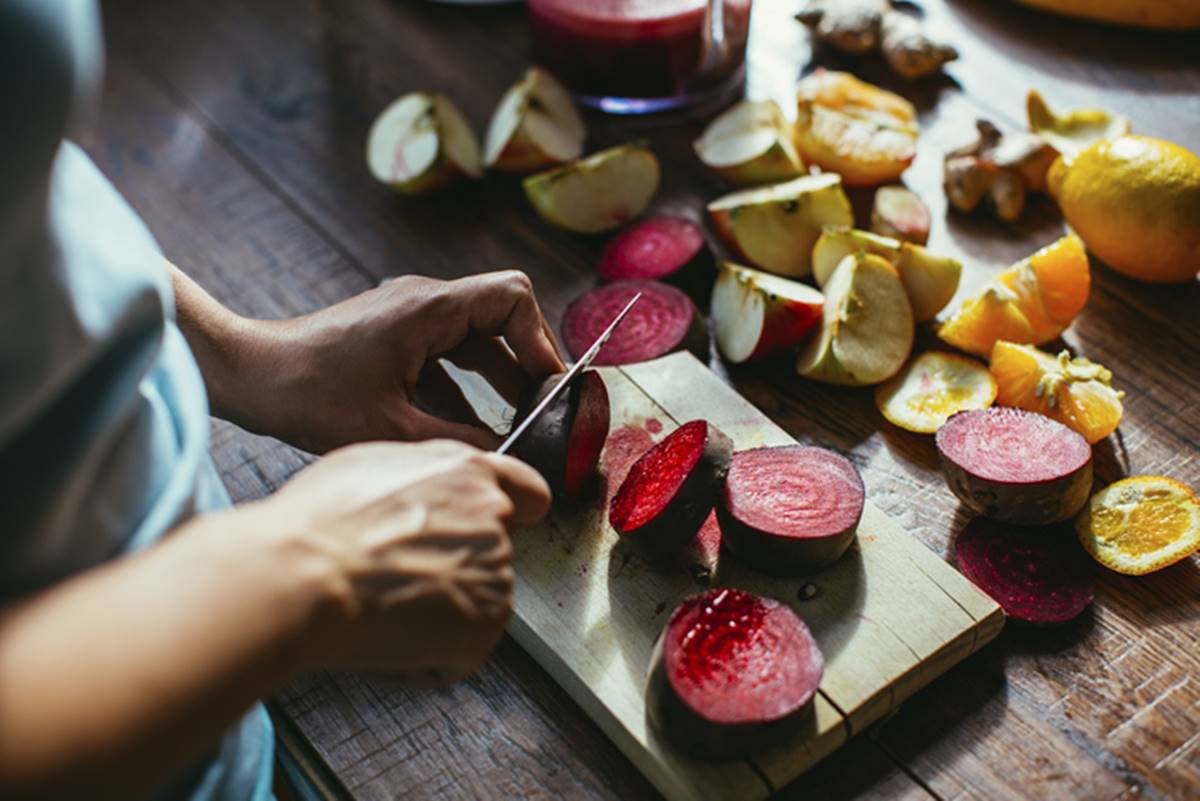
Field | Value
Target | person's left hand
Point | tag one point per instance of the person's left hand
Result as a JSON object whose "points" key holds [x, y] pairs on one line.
{"points": [[349, 373]]}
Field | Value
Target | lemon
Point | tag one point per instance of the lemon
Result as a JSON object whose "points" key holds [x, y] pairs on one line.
{"points": [[1135, 201]]}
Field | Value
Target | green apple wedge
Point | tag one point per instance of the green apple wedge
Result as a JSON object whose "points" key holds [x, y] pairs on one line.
{"points": [[756, 314], [598, 192], [535, 126], [930, 280], [867, 327], [750, 144], [422, 142], [775, 227]]}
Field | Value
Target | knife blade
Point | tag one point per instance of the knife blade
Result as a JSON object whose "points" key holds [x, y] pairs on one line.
{"points": [[562, 386]]}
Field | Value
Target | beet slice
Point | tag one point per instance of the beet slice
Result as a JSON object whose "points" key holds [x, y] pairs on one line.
{"points": [[660, 249], [732, 673], [1038, 575], [790, 509], [670, 490], [564, 444], [663, 321], [1015, 465]]}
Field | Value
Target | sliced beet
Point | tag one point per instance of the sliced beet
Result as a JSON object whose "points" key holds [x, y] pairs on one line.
{"points": [[663, 321], [670, 490], [660, 249], [732, 673], [1036, 574], [564, 444], [702, 556], [1015, 465], [791, 509]]}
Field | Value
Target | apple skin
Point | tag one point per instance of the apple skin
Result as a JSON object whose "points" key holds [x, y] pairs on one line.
{"points": [[786, 320], [785, 324]]}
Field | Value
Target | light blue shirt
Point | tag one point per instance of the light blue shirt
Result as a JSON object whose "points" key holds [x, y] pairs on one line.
{"points": [[103, 413]]}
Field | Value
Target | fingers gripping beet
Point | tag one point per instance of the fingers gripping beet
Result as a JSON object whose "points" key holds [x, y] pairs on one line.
{"points": [[1015, 465], [792, 509], [670, 490], [663, 321], [732, 673], [564, 444], [660, 249], [1036, 574]]}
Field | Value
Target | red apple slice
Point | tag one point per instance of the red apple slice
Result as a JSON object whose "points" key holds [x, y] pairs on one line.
{"points": [[422, 142], [757, 314], [535, 126]]}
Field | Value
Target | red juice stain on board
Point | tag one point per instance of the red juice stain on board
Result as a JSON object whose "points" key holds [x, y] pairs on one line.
{"points": [[653, 425]]}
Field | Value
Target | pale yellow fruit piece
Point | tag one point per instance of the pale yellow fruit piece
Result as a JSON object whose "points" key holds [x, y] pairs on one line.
{"points": [[933, 386], [1141, 524], [598, 192]]}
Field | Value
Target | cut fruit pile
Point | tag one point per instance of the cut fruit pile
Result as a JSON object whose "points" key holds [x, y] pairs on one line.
{"points": [[1037, 575], [1029, 303], [756, 314], [749, 144], [931, 388], [1141, 524], [663, 321], [1076, 392], [865, 134]]}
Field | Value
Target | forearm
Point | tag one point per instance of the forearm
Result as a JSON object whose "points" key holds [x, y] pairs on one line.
{"points": [[112, 681]]}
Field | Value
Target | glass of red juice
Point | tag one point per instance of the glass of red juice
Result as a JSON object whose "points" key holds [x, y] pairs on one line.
{"points": [[641, 56]]}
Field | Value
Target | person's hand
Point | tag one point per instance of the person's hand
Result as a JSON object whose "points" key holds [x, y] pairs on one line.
{"points": [[349, 373], [416, 536]]}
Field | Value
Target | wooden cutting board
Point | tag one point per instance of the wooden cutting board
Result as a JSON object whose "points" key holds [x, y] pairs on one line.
{"points": [[890, 616]]}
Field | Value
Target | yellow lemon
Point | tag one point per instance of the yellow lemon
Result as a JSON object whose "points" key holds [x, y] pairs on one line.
{"points": [[1135, 201]]}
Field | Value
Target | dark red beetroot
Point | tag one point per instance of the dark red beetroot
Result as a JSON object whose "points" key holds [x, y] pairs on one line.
{"points": [[660, 249], [564, 444], [702, 556], [731, 674], [1038, 575], [664, 320], [670, 490], [791, 509], [1015, 465]]}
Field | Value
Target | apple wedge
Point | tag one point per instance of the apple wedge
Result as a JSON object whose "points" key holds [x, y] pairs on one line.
{"points": [[757, 314], [750, 144], [898, 212], [535, 126], [774, 227], [930, 280], [867, 326], [422, 142], [598, 192]]}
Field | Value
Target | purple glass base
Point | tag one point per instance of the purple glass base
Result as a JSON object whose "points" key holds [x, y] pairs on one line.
{"points": [[652, 105]]}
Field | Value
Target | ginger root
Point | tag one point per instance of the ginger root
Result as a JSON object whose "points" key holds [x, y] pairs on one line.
{"points": [[1001, 168], [861, 26]]}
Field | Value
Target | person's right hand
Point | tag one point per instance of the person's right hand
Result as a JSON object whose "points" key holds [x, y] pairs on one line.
{"points": [[417, 536]]}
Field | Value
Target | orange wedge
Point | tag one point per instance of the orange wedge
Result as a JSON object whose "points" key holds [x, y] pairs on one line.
{"points": [[1076, 392], [1029, 303], [933, 386], [1141, 524]]}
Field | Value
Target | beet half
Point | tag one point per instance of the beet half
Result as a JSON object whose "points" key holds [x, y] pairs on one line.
{"points": [[660, 249], [663, 321], [732, 673], [670, 490], [1014, 465], [564, 444], [1038, 575], [791, 509]]}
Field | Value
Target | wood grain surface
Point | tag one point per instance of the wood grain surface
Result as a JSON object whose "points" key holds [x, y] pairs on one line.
{"points": [[237, 127]]}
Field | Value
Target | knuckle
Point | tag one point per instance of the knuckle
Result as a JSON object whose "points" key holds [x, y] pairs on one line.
{"points": [[519, 281]]}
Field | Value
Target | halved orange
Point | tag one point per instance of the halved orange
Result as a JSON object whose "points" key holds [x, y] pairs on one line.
{"points": [[1029, 303], [933, 386], [1076, 392], [1141, 524]]}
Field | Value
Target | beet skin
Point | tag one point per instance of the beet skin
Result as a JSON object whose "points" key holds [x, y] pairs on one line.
{"points": [[564, 444], [732, 673]]}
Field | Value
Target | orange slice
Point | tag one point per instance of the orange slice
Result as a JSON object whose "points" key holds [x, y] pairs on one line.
{"points": [[1141, 524], [1029, 303], [933, 386], [1076, 392]]}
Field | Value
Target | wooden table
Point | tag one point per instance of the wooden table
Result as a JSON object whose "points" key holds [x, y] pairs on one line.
{"points": [[237, 127]]}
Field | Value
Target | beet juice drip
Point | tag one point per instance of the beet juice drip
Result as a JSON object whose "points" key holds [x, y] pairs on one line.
{"points": [[725, 626]]}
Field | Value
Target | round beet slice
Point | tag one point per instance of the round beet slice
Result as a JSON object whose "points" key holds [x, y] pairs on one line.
{"points": [[732, 673], [664, 320], [659, 249], [1014, 465], [791, 509], [670, 490], [1036, 574], [564, 444]]}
